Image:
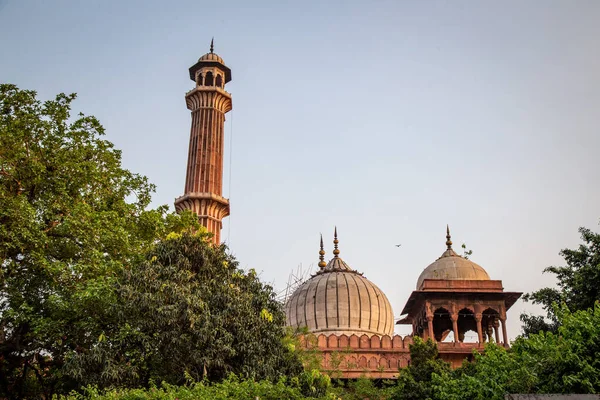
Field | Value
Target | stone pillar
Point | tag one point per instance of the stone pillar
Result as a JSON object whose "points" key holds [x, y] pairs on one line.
{"points": [[479, 330], [504, 334], [489, 332], [496, 327], [454, 319], [430, 327]]}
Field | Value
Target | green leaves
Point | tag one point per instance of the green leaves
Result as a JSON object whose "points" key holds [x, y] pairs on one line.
{"points": [[577, 284], [190, 311], [414, 381], [71, 220], [566, 362]]}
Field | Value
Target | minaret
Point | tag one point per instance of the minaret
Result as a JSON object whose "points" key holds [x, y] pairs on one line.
{"points": [[208, 102]]}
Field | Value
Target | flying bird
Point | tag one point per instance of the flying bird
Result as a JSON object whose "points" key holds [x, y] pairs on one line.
{"points": [[398, 245]]}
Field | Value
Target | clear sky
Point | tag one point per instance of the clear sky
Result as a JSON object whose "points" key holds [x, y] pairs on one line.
{"points": [[387, 119]]}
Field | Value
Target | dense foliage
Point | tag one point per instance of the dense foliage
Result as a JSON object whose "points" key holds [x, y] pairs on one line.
{"points": [[71, 218], [230, 388], [97, 288], [414, 381], [578, 284], [188, 310], [564, 362]]}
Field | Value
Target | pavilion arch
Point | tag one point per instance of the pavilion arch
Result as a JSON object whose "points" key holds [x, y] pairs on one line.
{"points": [[219, 81], [208, 79], [449, 338], [466, 322], [469, 336], [490, 324], [442, 324], [199, 79]]}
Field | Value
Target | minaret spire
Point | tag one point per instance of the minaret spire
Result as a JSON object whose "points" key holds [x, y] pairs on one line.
{"points": [[212, 45], [448, 237], [322, 263], [336, 251]]}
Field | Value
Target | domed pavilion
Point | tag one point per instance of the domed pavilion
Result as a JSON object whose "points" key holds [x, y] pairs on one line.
{"points": [[455, 295]]}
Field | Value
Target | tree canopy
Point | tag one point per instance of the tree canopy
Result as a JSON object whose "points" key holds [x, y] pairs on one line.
{"points": [[578, 285], [189, 312], [71, 218], [414, 381], [545, 362], [73, 225]]}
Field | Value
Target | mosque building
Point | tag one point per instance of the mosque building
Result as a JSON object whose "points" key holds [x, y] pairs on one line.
{"points": [[349, 317]]}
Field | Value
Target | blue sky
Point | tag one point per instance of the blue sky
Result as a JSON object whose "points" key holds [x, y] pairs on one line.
{"points": [[387, 119]]}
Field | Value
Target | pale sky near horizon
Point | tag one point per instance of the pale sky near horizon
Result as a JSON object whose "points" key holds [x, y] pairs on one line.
{"points": [[387, 119]]}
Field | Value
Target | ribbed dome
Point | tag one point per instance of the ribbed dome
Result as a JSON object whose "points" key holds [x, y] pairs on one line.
{"points": [[451, 266], [212, 57], [340, 300]]}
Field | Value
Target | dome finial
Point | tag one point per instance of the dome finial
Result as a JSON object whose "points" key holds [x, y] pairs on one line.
{"points": [[448, 241], [336, 251], [212, 44], [322, 263]]}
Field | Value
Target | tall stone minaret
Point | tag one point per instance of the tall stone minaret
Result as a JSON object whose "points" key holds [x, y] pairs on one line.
{"points": [[208, 102]]}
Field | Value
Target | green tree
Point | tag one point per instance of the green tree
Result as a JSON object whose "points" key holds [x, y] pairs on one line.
{"points": [[567, 361], [490, 376], [564, 362], [71, 219], [365, 389], [415, 381], [578, 285], [188, 312]]}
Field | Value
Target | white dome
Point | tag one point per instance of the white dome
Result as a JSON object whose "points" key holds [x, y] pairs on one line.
{"points": [[340, 300], [451, 266]]}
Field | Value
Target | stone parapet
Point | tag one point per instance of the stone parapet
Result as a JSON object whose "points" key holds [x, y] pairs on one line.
{"points": [[350, 357]]}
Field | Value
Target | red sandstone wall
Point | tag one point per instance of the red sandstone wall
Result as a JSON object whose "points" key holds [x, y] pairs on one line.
{"points": [[377, 356]]}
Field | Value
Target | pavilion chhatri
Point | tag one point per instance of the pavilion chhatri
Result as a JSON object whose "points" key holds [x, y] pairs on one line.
{"points": [[350, 317]]}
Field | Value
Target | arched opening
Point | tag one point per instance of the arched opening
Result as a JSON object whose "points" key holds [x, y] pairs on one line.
{"points": [[219, 81], [490, 325], [208, 79], [199, 79], [470, 336], [466, 323], [442, 324]]}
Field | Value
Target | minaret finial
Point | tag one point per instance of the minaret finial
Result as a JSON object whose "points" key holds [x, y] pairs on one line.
{"points": [[448, 241], [212, 44], [336, 251], [322, 263]]}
